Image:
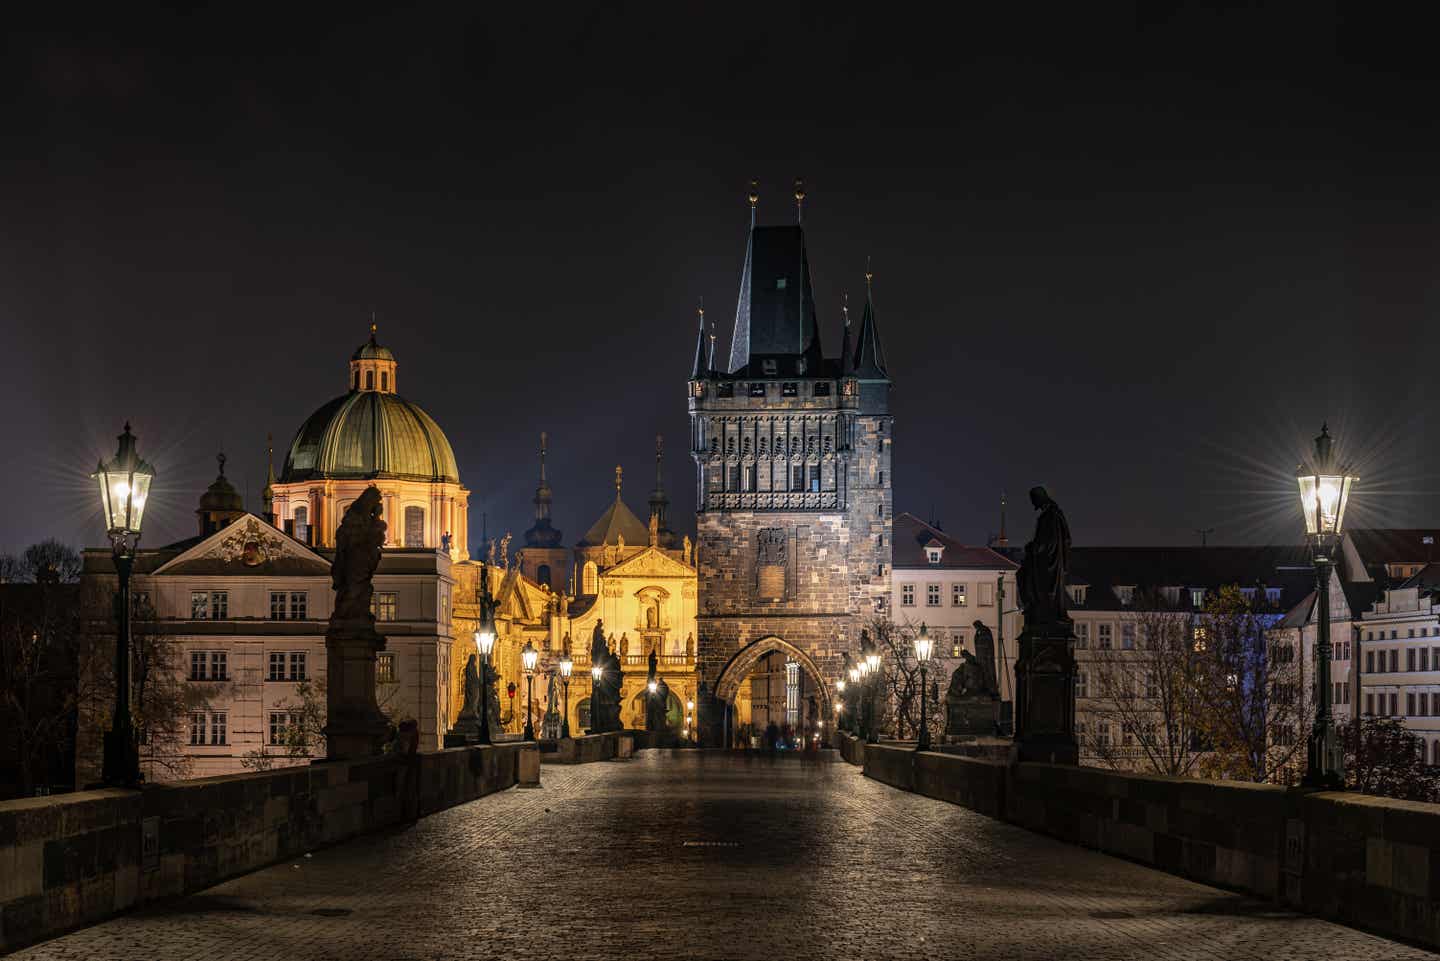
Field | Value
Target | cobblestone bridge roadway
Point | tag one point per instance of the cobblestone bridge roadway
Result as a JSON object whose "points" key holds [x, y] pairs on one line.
{"points": [[691, 856]]}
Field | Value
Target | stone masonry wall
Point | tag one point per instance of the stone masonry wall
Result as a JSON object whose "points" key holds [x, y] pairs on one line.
{"points": [[75, 859], [1366, 861]]}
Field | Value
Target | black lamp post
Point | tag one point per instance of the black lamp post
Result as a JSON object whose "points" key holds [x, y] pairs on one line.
{"points": [[871, 669], [924, 648], [484, 643], [124, 489], [566, 666], [1324, 491], [529, 657]]}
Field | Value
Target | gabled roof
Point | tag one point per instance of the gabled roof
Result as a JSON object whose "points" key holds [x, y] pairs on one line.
{"points": [[616, 521], [247, 547], [912, 536], [1427, 578]]}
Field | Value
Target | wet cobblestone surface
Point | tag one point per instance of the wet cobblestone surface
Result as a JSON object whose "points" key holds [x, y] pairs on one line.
{"points": [[691, 856]]}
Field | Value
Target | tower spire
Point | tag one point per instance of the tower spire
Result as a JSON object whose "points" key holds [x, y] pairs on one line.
{"points": [[799, 200], [1002, 540], [542, 533], [869, 354], [268, 508], [619, 472], [659, 501], [700, 369], [847, 366], [754, 199]]}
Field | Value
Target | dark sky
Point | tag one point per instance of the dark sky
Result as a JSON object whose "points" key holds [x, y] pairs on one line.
{"points": [[1136, 257]]}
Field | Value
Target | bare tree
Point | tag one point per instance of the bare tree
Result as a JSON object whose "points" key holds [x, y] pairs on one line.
{"points": [[164, 697], [1146, 703], [1255, 715], [898, 708]]}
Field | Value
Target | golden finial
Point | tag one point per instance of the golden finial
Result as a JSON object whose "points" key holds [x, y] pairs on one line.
{"points": [[754, 193], [618, 472], [799, 198]]}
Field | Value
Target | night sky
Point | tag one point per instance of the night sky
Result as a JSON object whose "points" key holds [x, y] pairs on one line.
{"points": [[1138, 257]]}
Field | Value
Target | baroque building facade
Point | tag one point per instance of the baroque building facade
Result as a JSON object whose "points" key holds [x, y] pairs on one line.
{"points": [[792, 452]]}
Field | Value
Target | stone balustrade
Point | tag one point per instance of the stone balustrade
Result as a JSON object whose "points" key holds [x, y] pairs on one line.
{"points": [[74, 859]]}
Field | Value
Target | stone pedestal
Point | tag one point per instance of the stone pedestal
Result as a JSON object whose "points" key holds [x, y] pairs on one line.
{"points": [[971, 715], [465, 732], [1045, 695], [354, 726]]}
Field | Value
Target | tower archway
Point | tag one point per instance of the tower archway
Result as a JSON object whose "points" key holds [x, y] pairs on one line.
{"points": [[745, 661]]}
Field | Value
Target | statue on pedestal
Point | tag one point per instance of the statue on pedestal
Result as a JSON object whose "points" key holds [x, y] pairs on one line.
{"points": [[1045, 667], [971, 702], [354, 725]]}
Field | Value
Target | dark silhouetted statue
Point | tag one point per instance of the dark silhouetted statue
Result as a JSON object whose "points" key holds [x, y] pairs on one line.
{"points": [[354, 725]]}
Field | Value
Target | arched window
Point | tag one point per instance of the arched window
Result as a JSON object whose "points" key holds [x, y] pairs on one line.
{"points": [[542, 574], [384, 380], [589, 579], [582, 713], [302, 517], [414, 527], [369, 380]]}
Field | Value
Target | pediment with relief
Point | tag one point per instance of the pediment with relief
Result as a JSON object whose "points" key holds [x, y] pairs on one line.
{"points": [[244, 546], [651, 562]]}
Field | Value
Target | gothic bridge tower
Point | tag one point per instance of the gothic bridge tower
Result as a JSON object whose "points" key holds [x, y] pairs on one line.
{"points": [[792, 452]]}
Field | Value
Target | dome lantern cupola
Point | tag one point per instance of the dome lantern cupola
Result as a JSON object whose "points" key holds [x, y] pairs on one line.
{"points": [[220, 504], [372, 367]]}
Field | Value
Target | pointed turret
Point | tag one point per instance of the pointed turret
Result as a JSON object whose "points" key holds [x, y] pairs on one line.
{"points": [[268, 494], [659, 500], [869, 354], [701, 369]]}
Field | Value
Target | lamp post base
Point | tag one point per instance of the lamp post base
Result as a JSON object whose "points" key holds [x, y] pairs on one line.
{"points": [[1325, 763], [121, 766]]}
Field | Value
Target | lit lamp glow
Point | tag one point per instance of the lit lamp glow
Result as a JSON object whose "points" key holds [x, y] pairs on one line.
{"points": [[1324, 493], [485, 643]]}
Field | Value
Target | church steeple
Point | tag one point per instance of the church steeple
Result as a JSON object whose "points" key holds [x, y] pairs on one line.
{"points": [[542, 533], [869, 355], [268, 494], [659, 500]]}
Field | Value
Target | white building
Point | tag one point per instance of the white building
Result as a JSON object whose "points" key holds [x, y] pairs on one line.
{"points": [[949, 586]]}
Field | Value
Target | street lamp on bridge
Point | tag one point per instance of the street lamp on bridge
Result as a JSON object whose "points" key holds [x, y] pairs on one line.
{"points": [[1324, 492], [484, 644], [124, 489], [566, 666], [529, 657], [924, 648]]}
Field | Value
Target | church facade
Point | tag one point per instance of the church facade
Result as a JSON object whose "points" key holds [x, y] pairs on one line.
{"points": [[792, 452]]}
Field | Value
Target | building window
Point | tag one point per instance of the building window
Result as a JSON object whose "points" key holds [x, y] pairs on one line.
{"points": [[281, 723], [957, 595], [987, 594], [758, 390], [197, 728], [199, 605], [1424, 699], [1272, 595], [1125, 594], [369, 380], [1127, 637], [1424, 658], [1082, 684], [382, 603], [789, 389], [750, 477], [1077, 593], [1435, 753], [932, 595], [589, 579], [277, 666], [792, 694], [299, 605], [822, 388], [214, 733], [414, 527], [297, 665], [1394, 703], [1395, 659], [907, 595], [277, 605], [209, 665], [1409, 703], [1151, 690], [385, 669], [1197, 597], [1082, 635], [1370, 704], [1410, 659], [1104, 638], [384, 380], [1369, 662], [797, 478], [542, 574]]}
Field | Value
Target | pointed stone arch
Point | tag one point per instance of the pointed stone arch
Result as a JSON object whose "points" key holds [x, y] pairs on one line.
{"points": [[739, 667]]}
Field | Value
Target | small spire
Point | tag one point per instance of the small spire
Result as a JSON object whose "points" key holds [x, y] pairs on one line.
{"points": [[543, 439], [699, 369], [712, 345], [799, 200], [847, 361], [220, 459], [619, 471], [1002, 540], [754, 199], [869, 276]]}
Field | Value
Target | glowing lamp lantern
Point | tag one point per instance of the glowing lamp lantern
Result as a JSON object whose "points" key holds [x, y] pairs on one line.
{"points": [[924, 645], [840, 685], [654, 686], [124, 489], [1324, 491], [566, 666], [855, 675], [595, 672], [924, 649], [529, 656]]}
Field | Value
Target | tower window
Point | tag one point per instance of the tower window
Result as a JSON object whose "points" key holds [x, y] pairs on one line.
{"points": [[384, 380], [780, 282], [789, 389], [369, 380], [414, 527], [758, 390], [357, 381], [724, 390], [542, 574], [822, 388], [589, 579]]}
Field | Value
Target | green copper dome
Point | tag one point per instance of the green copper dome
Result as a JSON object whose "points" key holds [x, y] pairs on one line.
{"points": [[366, 434]]}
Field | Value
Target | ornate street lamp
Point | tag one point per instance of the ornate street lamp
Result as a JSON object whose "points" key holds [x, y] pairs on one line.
{"points": [[1324, 491], [870, 669], [596, 672], [566, 666], [840, 702], [485, 643], [924, 649], [529, 657], [124, 490]]}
